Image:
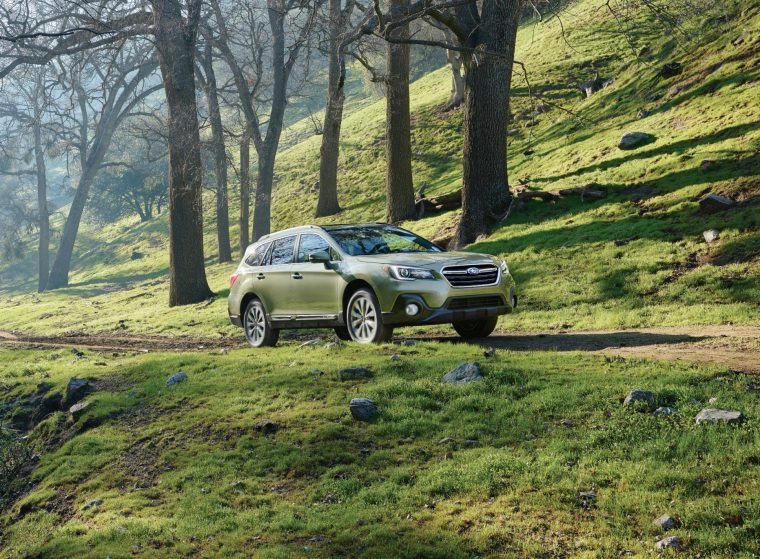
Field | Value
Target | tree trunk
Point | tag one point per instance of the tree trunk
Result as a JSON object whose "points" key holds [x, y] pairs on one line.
{"points": [[398, 141], [329, 151], [42, 210], [220, 159], [245, 191], [175, 44], [485, 189], [457, 79], [262, 208]]}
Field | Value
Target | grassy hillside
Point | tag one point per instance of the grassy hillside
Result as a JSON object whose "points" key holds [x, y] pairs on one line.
{"points": [[635, 258], [151, 470]]}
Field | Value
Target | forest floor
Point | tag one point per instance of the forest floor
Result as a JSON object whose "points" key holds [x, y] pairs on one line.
{"points": [[735, 347]]}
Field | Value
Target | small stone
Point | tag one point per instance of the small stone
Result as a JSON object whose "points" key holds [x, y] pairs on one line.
{"points": [[176, 378], [317, 373], [463, 374], [712, 203], [708, 165], [711, 415], [332, 345], [363, 409], [665, 522], [664, 410], [92, 504], [674, 90], [643, 113], [267, 426], [409, 343], [446, 440], [567, 423], [633, 140], [640, 399], [711, 235], [77, 410], [490, 352], [76, 389], [137, 255], [224, 351], [354, 373], [672, 542], [395, 357], [712, 400], [671, 69], [471, 443], [587, 495]]}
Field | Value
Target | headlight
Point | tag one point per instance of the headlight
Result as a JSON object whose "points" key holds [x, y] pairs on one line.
{"points": [[407, 273], [504, 267]]}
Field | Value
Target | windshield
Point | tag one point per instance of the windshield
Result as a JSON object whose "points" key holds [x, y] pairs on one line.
{"points": [[363, 241]]}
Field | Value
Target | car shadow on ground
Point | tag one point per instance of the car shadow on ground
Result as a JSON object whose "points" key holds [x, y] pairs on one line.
{"points": [[575, 341]]}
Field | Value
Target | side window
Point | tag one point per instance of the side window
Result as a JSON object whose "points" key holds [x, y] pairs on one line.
{"points": [[256, 258], [310, 244], [282, 253]]}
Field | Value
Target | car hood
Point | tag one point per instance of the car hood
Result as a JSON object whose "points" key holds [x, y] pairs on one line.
{"points": [[432, 260]]}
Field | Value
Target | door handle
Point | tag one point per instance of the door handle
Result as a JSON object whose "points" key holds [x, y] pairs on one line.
{"points": [[296, 275], [260, 276]]}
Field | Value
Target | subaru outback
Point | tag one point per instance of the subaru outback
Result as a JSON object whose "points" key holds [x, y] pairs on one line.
{"points": [[364, 281]]}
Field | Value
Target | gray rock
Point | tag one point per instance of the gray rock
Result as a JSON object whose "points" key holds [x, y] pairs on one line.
{"points": [[267, 426], [395, 357], [664, 410], [567, 422], [363, 409], [471, 443], [463, 374], [92, 504], [446, 440], [711, 235], [640, 399], [633, 140], [354, 373], [137, 255], [665, 522], [76, 389], [712, 400], [643, 113], [712, 203], [176, 378], [671, 542], [317, 373], [711, 415], [587, 496], [708, 165], [77, 410]]}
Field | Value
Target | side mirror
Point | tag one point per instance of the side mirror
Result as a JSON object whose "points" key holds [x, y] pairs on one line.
{"points": [[321, 257]]}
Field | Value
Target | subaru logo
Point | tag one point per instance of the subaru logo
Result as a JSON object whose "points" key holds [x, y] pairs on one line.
{"points": [[473, 271]]}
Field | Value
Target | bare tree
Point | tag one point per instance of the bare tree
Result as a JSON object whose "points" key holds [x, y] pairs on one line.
{"points": [[398, 137], [245, 191], [261, 60], [338, 18], [207, 79]]}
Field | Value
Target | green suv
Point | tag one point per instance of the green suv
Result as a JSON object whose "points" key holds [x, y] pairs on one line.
{"points": [[363, 281]]}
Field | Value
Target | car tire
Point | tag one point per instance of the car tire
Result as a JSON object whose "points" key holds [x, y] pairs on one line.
{"points": [[364, 319], [257, 328], [471, 329], [342, 333]]}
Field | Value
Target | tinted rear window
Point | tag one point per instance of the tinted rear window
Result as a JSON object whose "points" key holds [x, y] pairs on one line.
{"points": [[256, 258]]}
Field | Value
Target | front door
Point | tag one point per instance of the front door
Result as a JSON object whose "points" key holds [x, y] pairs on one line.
{"points": [[316, 287]]}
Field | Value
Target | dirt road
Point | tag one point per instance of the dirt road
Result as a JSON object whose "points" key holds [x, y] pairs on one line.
{"points": [[735, 347]]}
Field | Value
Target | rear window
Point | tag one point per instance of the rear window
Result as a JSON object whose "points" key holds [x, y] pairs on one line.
{"points": [[256, 258], [282, 252]]}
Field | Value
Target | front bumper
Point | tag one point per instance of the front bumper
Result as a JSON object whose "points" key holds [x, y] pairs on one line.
{"points": [[445, 314]]}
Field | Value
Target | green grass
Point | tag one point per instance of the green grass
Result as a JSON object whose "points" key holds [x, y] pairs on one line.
{"points": [[570, 272], [182, 471]]}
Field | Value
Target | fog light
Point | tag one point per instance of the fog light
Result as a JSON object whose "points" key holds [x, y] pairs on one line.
{"points": [[412, 309]]}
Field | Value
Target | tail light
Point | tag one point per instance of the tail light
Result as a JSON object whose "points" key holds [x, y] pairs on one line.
{"points": [[233, 279]]}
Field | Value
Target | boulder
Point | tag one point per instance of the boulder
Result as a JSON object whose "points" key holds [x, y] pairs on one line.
{"points": [[712, 415], [633, 140], [77, 410], [711, 235], [671, 69], [665, 522], [76, 389], [672, 542], [640, 399], [354, 373], [712, 203], [463, 374], [363, 409], [176, 378]]}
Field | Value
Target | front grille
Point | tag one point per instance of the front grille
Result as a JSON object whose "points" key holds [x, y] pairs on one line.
{"points": [[465, 276], [458, 303]]}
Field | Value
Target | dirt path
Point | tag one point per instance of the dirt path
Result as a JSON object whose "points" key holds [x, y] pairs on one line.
{"points": [[735, 347]]}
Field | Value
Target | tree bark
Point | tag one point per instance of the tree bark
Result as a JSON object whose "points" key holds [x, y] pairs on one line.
{"points": [[327, 204], [175, 44], [485, 189], [457, 79], [42, 209], [220, 159], [398, 142], [245, 191]]}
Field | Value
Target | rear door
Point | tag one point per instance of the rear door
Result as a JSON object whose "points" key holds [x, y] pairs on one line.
{"points": [[277, 278], [316, 287]]}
